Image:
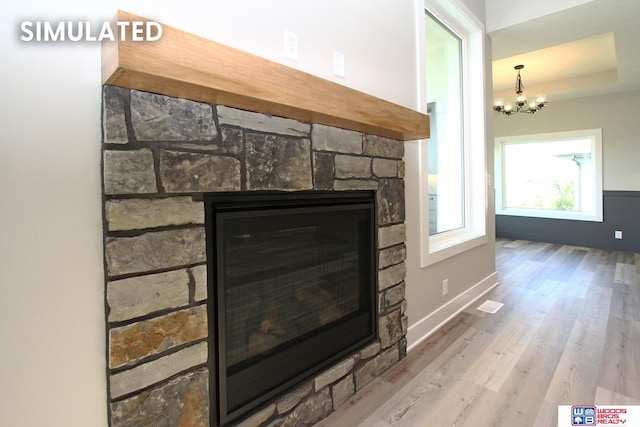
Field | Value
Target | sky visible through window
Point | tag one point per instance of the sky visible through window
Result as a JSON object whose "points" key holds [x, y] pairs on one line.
{"points": [[551, 175]]}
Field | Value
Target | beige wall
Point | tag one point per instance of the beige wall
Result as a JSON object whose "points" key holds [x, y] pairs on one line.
{"points": [[471, 272], [616, 114]]}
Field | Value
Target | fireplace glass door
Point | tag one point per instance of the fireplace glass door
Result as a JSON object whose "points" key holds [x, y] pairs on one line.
{"points": [[293, 286]]}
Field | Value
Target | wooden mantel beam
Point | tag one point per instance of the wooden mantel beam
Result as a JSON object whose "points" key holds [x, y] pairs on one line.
{"points": [[186, 66]]}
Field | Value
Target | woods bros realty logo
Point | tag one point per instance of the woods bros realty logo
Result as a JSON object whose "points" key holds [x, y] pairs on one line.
{"points": [[86, 31], [592, 415]]}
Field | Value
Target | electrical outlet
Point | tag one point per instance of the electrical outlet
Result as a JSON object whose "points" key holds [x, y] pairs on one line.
{"points": [[290, 45], [445, 287], [617, 234]]}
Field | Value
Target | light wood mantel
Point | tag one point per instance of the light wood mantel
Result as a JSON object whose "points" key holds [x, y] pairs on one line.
{"points": [[186, 66]]}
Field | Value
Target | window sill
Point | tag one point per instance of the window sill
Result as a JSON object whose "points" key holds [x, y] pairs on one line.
{"points": [[446, 245], [549, 214]]}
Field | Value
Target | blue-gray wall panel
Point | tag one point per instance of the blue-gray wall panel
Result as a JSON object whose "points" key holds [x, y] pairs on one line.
{"points": [[621, 212]]}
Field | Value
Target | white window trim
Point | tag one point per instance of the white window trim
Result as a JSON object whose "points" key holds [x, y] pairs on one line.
{"points": [[455, 15], [596, 215]]}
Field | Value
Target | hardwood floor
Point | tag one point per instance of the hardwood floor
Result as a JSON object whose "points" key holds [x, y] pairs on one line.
{"points": [[568, 333]]}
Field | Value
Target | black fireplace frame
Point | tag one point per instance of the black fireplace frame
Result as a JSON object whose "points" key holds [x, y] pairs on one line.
{"points": [[229, 202]]}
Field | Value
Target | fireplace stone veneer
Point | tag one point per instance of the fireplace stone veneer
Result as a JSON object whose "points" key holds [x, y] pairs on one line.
{"points": [[159, 155]]}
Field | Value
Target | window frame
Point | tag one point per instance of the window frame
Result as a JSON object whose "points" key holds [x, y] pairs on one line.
{"points": [[595, 215], [459, 20]]}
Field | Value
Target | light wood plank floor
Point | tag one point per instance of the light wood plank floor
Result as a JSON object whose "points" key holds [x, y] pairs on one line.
{"points": [[569, 333]]}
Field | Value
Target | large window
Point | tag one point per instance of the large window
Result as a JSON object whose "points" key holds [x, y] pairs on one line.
{"points": [[446, 145], [452, 165], [556, 175]]}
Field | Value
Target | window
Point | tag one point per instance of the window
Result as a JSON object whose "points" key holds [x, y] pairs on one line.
{"points": [[452, 164], [445, 146], [556, 175]]}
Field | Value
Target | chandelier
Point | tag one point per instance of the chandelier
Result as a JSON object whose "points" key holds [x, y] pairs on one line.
{"points": [[520, 105]]}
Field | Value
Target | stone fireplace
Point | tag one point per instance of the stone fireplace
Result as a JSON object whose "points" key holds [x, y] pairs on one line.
{"points": [[160, 156]]}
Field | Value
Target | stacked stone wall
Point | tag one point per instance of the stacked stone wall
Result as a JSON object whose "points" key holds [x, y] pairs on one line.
{"points": [[159, 155]]}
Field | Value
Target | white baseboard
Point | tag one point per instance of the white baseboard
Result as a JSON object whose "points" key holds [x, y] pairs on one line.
{"points": [[426, 326]]}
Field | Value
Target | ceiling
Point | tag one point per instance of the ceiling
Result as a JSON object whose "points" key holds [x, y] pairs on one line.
{"points": [[587, 50]]}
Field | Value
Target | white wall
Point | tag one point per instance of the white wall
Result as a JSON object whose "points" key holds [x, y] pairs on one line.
{"points": [[477, 7], [52, 354], [616, 114], [505, 13]]}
